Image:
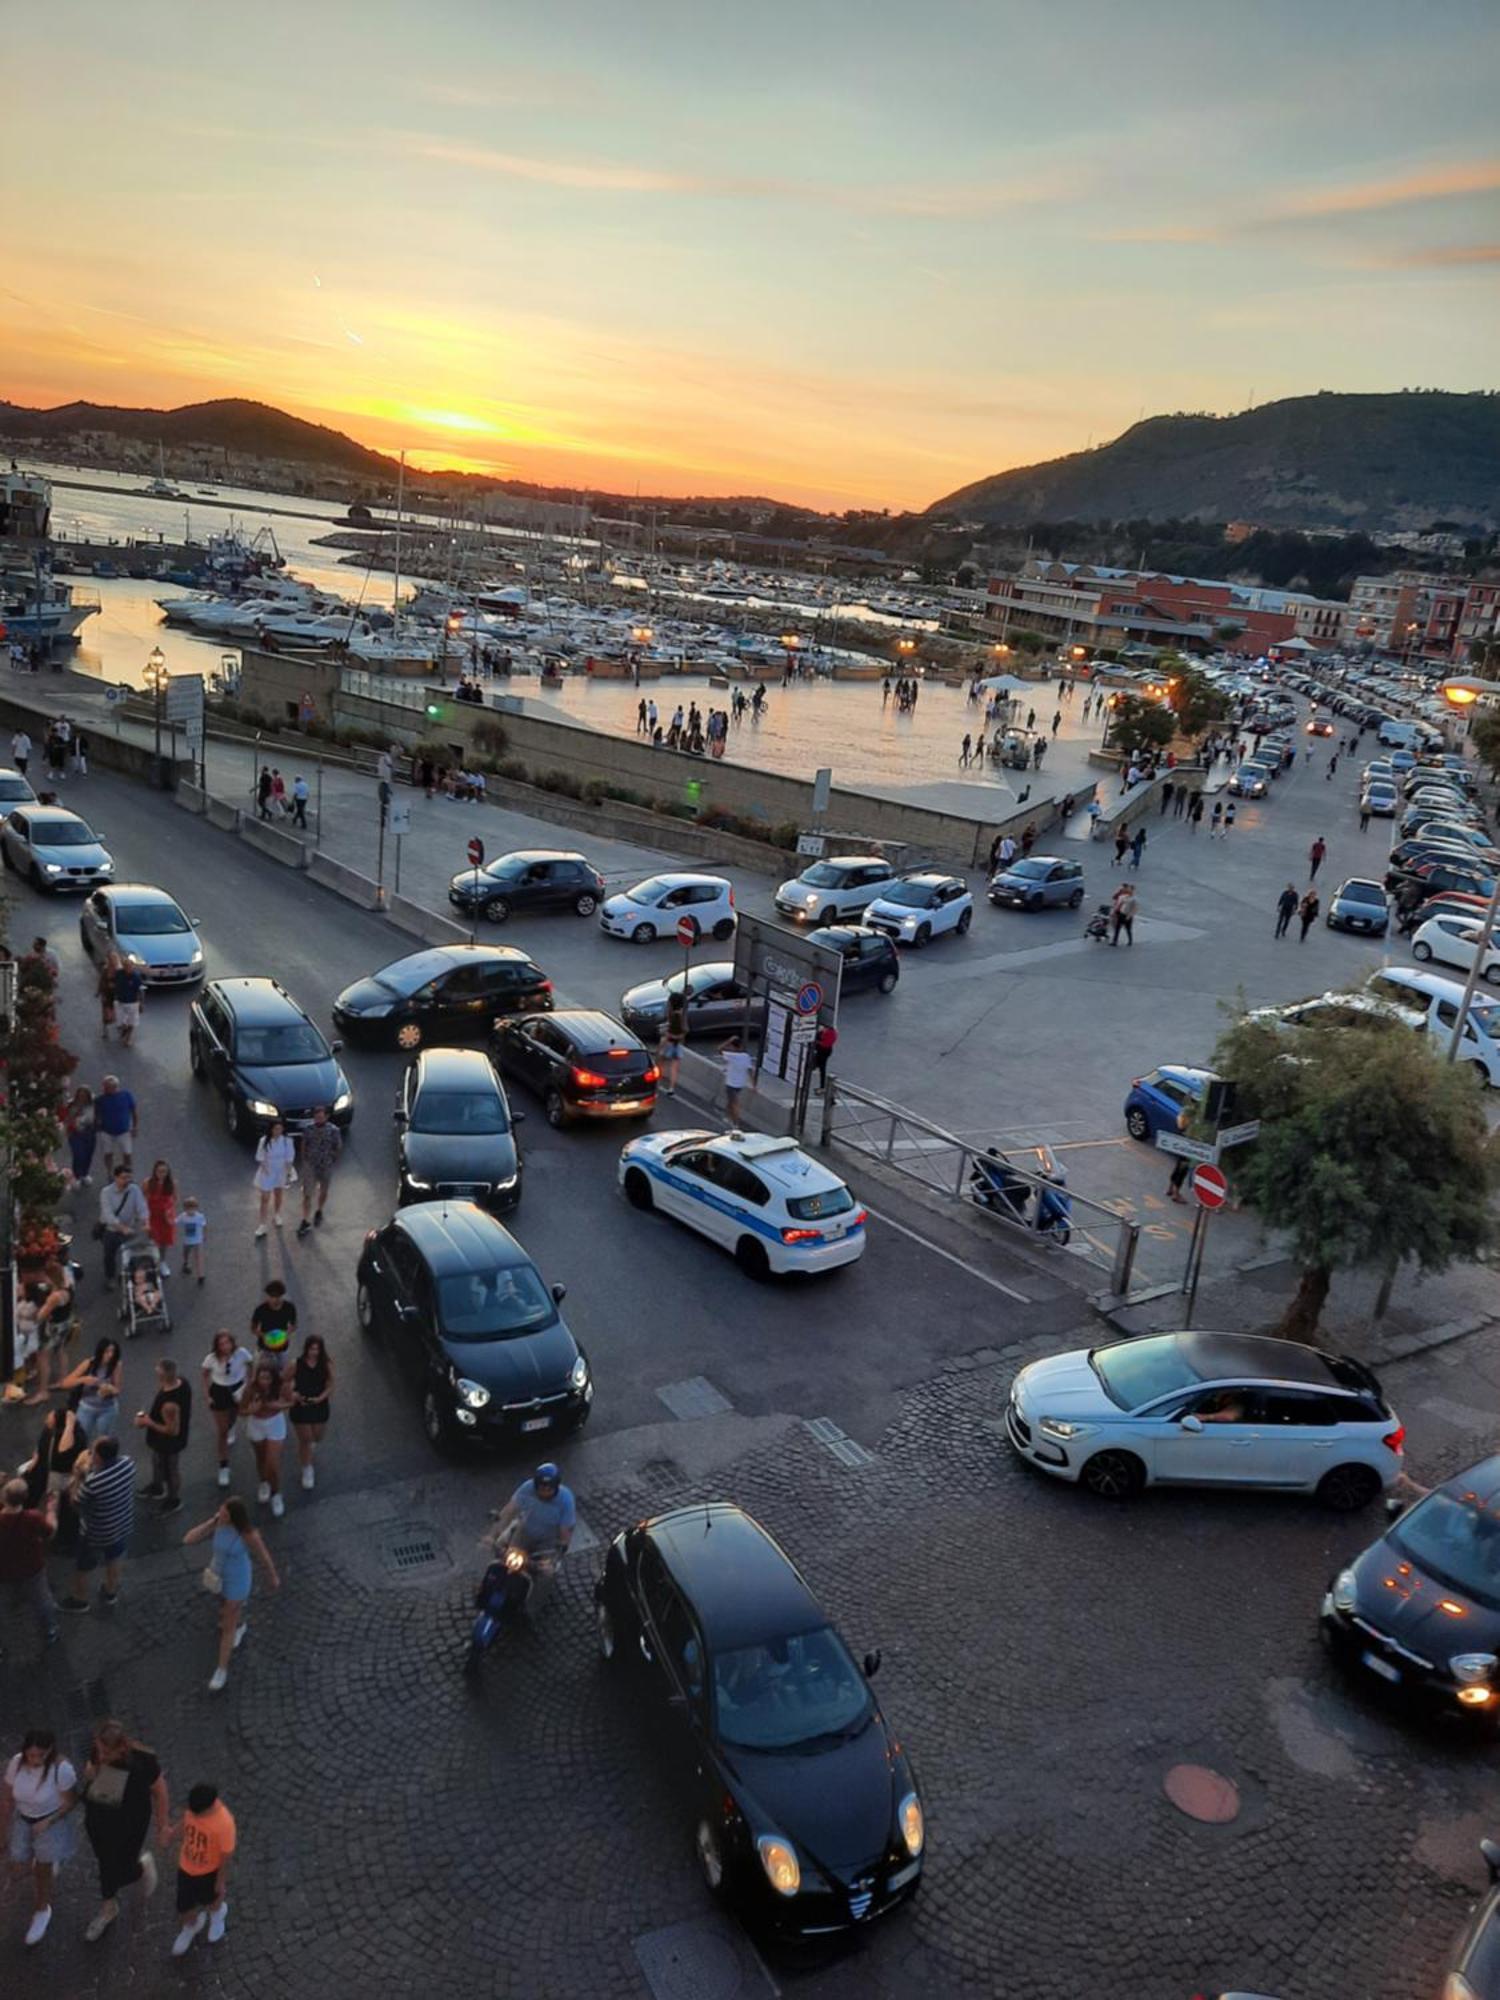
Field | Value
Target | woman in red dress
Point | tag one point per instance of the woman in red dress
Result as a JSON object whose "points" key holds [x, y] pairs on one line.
{"points": [[161, 1210]]}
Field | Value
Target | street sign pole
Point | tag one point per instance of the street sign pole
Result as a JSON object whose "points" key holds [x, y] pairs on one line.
{"points": [[385, 809], [687, 931], [1194, 1262]]}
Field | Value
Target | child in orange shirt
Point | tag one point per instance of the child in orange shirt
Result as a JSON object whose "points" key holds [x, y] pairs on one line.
{"points": [[202, 1865]]}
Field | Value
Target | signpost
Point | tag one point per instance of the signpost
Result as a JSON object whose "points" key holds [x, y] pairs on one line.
{"points": [[1186, 1148], [1210, 1189], [687, 937], [1240, 1135], [184, 711], [799, 982], [385, 813], [400, 825]]}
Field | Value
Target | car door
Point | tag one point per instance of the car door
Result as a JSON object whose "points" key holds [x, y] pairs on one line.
{"points": [[858, 969], [17, 837], [1169, 1100], [406, 1292], [539, 887], [459, 1007], [950, 906], [216, 1042], [674, 1667], [1300, 1432], [522, 1052], [95, 925], [721, 1006], [698, 1192], [1210, 1438]]}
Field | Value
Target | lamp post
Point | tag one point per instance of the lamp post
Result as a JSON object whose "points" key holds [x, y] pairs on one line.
{"points": [[156, 680]]}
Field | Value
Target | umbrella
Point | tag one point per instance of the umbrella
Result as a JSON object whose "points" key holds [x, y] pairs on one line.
{"points": [[1009, 684]]}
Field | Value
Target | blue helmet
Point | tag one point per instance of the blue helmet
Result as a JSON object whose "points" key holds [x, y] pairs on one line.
{"points": [[546, 1475]]}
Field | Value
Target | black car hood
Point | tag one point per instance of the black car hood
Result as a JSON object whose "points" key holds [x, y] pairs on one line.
{"points": [[364, 994], [459, 1156], [529, 1364], [836, 1806], [293, 1086], [1408, 1607]]}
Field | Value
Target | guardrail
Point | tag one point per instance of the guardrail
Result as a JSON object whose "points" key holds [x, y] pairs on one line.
{"points": [[966, 1174]]}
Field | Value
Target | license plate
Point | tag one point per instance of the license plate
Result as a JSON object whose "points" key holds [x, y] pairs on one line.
{"points": [[536, 1423], [1382, 1667]]}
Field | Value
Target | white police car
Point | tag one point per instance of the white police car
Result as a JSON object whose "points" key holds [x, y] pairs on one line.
{"points": [[761, 1198]]}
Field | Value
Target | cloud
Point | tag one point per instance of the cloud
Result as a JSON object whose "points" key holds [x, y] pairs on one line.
{"points": [[1443, 183], [1453, 254]]}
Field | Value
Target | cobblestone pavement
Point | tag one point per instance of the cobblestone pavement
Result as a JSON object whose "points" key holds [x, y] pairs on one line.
{"points": [[1046, 1661]]}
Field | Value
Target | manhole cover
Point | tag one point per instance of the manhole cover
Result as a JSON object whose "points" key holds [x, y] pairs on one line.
{"points": [[1202, 1794], [697, 1397], [706, 1959], [845, 1449], [412, 1553]]}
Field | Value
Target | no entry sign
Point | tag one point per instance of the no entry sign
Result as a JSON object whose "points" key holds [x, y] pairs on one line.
{"points": [[1210, 1187], [476, 853], [687, 930]]}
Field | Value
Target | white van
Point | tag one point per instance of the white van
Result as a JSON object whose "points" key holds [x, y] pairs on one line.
{"points": [[1438, 1000], [1398, 735]]}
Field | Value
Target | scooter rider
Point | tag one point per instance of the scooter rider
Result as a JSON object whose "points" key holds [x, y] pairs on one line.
{"points": [[541, 1513]]}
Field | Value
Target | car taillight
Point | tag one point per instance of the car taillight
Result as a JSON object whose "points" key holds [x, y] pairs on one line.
{"points": [[731, 895], [543, 986], [1394, 1440], [589, 1079], [859, 1216], [801, 1236], [651, 1075]]}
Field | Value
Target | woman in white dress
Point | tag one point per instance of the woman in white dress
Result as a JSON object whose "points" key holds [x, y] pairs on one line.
{"points": [[274, 1154]]}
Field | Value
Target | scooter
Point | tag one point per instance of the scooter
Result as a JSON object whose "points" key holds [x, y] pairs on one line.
{"points": [[1098, 924], [996, 1185], [503, 1593]]}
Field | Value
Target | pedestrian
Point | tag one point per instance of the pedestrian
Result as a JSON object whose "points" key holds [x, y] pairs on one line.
{"points": [[738, 1064], [97, 1381], [1179, 802], [166, 1428], [130, 987], [40, 949], [641, 728], [1030, 719], [1095, 809], [50, 1467], [52, 1324], [82, 1135], [117, 1121], [669, 1044], [824, 1043], [41, 1790], [1196, 813], [1286, 908], [385, 766], [1122, 914], [105, 1498], [312, 1388], [105, 988], [263, 788], [1057, 722], [1364, 814], [1006, 847], [122, 1215], [1333, 764], [300, 796], [1122, 842], [273, 1322], [226, 1374], [1315, 857], [25, 1531], [1166, 795], [1138, 845], [278, 793], [124, 1801], [966, 749], [322, 1143], [160, 1191], [264, 1406], [1216, 825], [1228, 818], [1028, 838], [208, 1837], [230, 1574], [1180, 1170], [275, 1153], [1307, 910], [194, 1234], [20, 751]]}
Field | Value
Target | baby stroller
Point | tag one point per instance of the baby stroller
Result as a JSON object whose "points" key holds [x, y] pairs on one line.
{"points": [[143, 1292], [1098, 924]]}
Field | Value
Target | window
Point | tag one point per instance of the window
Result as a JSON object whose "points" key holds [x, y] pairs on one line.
{"points": [[873, 948], [281, 1042], [545, 1036], [789, 1691], [465, 982], [406, 1263], [495, 1305], [737, 1179], [1307, 1408]]}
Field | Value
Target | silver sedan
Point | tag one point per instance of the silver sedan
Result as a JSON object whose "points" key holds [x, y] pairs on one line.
{"points": [[146, 926]]}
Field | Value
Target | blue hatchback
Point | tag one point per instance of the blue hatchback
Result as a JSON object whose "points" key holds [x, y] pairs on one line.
{"points": [[1158, 1101]]}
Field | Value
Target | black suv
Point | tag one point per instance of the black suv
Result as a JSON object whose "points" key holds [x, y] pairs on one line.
{"points": [[581, 1064], [473, 1327], [266, 1059], [449, 993], [456, 1132], [534, 878], [870, 957]]}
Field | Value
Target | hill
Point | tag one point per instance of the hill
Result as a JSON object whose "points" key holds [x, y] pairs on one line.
{"points": [[1379, 463], [232, 424]]}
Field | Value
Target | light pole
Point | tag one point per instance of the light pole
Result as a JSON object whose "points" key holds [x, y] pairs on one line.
{"points": [[156, 680]]}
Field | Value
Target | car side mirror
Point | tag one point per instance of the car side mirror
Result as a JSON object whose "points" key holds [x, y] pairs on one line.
{"points": [[872, 1664], [518, 1118], [336, 1048], [408, 1314], [399, 1116], [559, 1293], [1194, 1424]]}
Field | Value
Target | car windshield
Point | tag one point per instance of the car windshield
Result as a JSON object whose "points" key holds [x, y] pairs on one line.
{"points": [[15, 788], [1456, 1539], [822, 875], [1032, 871], [788, 1693], [647, 893], [811, 1207], [910, 895], [458, 1111], [61, 833], [506, 869], [1485, 1014], [495, 1305], [284, 1042], [1133, 1372], [149, 919], [1361, 892], [406, 975]]}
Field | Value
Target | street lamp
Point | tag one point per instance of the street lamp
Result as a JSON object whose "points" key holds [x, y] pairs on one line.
{"points": [[642, 634], [156, 680]]}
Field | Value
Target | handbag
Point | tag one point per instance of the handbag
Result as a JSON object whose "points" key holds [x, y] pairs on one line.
{"points": [[211, 1580], [107, 1786]]}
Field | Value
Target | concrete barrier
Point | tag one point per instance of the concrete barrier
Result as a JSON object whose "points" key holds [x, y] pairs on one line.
{"points": [[345, 882], [425, 924], [221, 813], [283, 847], [193, 799]]}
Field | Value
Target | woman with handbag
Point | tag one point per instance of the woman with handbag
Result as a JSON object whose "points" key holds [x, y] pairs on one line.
{"points": [[230, 1573], [124, 1792], [275, 1151]]}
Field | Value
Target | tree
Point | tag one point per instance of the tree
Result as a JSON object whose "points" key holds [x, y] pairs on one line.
{"points": [[1136, 724], [1372, 1149], [1028, 642], [1194, 700], [1484, 734], [1228, 630]]}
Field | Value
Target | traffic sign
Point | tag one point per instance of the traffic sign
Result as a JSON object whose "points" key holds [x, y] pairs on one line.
{"points": [[809, 997], [400, 820], [1240, 1135], [476, 852], [687, 930], [1210, 1187], [1186, 1148]]}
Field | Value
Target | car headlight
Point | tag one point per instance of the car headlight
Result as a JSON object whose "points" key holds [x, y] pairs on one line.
{"points": [[197, 958], [504, 1187], [473, 1395], [579, 1374], [779, 1859], [51, 868], [1470, 1668], [260, 1109], [1345, 1595], [422, 1187], [1059, 1427], [913, 1829], [810, 897], [344, 1099]]}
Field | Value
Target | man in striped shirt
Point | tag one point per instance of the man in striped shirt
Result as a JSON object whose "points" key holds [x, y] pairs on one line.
{"points": [[106, 1512]]}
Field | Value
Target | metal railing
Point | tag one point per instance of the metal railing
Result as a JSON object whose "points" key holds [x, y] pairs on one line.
{"points": [[965, 1174]]}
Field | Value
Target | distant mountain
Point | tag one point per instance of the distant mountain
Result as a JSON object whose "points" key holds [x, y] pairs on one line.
{"points": [[233, 424], [1379, 463]]}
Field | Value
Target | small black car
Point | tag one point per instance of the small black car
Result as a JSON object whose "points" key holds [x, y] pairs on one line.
{"points": [[533, 878], [448, 993], [805, 1810], [474, 1328], [581, 1064], [457, 1137], [255, 1045], [1418, 1614], [1475, 1971], [870, 957]]}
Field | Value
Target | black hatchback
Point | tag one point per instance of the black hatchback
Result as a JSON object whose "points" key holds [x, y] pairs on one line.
{"points": [[256, 1047], [532, 879], [456, 1132], [804, 1809], [870, 957], [449, 993], [475, 1330], [581, 1064]]}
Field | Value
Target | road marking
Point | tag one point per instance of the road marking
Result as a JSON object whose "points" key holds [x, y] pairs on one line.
{"points": [[927, 1243]]}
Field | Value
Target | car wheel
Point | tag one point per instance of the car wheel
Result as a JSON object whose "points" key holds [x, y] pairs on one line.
{"points": [[234, 1117], [1348, 1488], [710, 1858], [409, 1035], [497, 909], [1033, 902], [724, 928], [1137, 1124], [1421, 950], [195, 1059], [364, 1308], [752, 1259], [556, 1110], [435, 1425], [1075, 901], [604, 1635], [643, 934], [923, 936], [1482, 1074], [638, 1191], [828, 916], [34, 877], [586, 905], [887, 981], [962, 926], [1114, 1475]]}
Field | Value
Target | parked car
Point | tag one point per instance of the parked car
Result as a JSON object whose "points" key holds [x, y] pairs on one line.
{"points": [[1359, 905], [473, 1327], [581, 1064], [146, 926], [1474, 1970], [717, 1003], [1439, 1002], [448, 993], [841, 886], [1435, 871], [1207, 1409], [53, 849], [870, 958], [261, 1052], [1338, 1010], [456, 1136], [529, 881], [1038, 883], [14, 791], [1456, 941], [1379, 798], [805, 1812], [1418, 1614], [654, 908], [1160, 1100], [919, 908]]}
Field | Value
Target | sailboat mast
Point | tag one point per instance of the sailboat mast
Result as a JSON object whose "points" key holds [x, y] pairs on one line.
{"points": [[400, 504]]}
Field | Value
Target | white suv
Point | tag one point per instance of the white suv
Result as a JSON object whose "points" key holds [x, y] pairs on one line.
{"points": [[655, 907], [919, 908], [838, 887], [1207, 1409]]}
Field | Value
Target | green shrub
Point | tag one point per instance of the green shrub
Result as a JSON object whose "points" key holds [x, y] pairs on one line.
{"points": [[490, 735], [515, 769]]}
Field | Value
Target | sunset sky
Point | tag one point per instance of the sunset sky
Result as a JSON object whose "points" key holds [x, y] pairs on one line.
{"points": [[842, 251]]}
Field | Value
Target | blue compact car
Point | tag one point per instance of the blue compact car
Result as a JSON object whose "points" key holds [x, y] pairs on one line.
{"points": [[1158, 1100]]}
